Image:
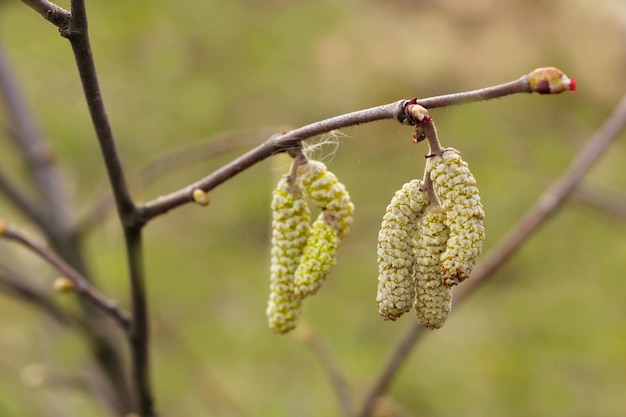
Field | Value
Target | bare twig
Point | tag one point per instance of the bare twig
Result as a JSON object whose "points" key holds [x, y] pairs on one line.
{"points": [[545, 206], [610, 201], [25, 203], [13, 283], [214, 396], [208, 149], [50, 11], [78, 35], [282, 142], [336, 377], [81, 285], [212, 147], [140, 331], [38, 158]]}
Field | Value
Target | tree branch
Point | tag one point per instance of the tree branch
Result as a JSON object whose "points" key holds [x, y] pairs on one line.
{"points": [[610, 201], [336, 377], [78, 35], [140, 329], [212, 147], [282, 142], [50, 11], [12, 283], [81, 284], [23, 202], [545, 206], [37, 155]]}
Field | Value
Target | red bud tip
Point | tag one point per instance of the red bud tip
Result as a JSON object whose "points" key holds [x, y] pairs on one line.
{"points": [[572, 85]]}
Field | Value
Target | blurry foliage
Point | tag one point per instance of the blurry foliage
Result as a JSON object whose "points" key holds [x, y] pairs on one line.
{"points": [[545, 338]]}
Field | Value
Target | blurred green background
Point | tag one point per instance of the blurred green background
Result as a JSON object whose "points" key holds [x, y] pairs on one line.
{"points": [[545, 337]]}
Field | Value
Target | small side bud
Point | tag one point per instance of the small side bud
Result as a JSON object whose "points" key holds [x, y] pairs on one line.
{"points": [[64, 285], [200, 197], [550, 80]]}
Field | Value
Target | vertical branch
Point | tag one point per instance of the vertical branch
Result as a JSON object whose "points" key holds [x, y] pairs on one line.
{"points": [[78, 35], [140, 330]]}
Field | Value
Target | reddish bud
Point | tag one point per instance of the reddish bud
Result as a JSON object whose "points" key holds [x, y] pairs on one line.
{"points": [[550, 80], [572, 85]]}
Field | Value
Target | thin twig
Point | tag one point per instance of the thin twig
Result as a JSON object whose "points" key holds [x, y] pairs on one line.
{"points": [[78, 36], [13, 283], [610, 201], [37, 156], [336, 377], [282, 142], [25, 203], [171, 161], [208, 149], [81, 284], [214, 396], [545, 206], [50, 11], [140, 330]]}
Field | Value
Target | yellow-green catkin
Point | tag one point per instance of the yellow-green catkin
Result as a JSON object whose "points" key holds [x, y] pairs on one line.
{"points": [[456, 189], [290, 230], [331, 226], [433, 299], [396, 250]]}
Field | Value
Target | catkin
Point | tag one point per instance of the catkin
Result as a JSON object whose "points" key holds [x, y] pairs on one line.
{"points": [[290, 230], [328, 194], [433, 300], [329, 229], [396, 250], [456, 189], [318, 258]]}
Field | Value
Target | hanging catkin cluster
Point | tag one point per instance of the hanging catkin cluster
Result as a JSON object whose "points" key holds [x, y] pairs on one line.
{"points": [[304, 254], [429, 241]]}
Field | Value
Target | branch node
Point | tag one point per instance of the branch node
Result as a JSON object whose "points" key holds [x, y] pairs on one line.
{"points": [[400, 112]]}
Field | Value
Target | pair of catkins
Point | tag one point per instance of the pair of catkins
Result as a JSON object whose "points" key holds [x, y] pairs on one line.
{"points": [[303, 253], [430, 237]]}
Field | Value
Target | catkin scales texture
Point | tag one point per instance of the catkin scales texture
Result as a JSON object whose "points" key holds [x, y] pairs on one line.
{"points": [[328, 194], [396, 251], [290, 230], [331, 226], [456, 189], [433, 299], [318, 258]]}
